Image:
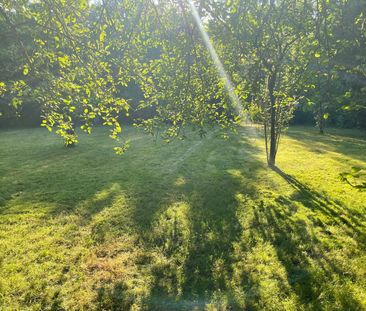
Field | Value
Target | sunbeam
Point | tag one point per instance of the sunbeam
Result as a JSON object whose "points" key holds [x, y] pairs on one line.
{"points": [[219, 66]]}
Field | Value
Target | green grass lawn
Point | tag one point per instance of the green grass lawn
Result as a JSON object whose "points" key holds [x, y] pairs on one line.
{"points": [[191, 225]]}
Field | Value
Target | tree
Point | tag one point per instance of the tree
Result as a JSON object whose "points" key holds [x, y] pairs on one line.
{"points": [[184, 86], [75, 69], [81, 56], [85, 54], [16, 41], [350, 60], [264, 44], [335, 74]]}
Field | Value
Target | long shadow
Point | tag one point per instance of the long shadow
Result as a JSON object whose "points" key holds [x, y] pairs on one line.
{"points": [[193, 271], [196, 263], [289, 234], [299, 276], [185, 217], [195, 242], [289, 237], [298, 249], [314, 200]]}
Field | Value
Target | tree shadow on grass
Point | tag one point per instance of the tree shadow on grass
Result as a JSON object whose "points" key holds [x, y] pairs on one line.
{"points": [[304, 247], [303, 255], [184, 213], [310, 272], [195, 234], [187, 221], [334, 211]]}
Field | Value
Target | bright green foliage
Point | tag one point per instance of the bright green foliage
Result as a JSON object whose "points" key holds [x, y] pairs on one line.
{"points": [[264, 48], [77, 75], [335, 82], [199, 224], [85, 54], [77, 58], [183, 84]]}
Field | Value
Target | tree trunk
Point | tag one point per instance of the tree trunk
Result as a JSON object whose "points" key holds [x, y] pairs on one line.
{"points": [[321, 119], [273, 135]]}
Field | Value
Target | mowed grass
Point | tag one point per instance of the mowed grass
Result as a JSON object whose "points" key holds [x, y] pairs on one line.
{"points": [[191, 225]]}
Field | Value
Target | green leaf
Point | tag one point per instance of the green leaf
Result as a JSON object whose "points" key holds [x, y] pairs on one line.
{"points": [[64, 61], [25, 71], [102, 36]]}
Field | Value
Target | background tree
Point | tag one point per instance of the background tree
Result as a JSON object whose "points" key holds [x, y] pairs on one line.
{"points": [[264, 44], [335, 79]]}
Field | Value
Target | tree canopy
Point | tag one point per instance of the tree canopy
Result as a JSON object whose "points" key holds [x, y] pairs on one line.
{"points": [[77, 61]]}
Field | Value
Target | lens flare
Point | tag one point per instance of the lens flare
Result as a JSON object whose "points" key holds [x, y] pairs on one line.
{"points": [[219, 66]]}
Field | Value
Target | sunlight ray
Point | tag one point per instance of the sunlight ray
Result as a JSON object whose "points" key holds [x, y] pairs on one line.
{"points": [[218, 64]]}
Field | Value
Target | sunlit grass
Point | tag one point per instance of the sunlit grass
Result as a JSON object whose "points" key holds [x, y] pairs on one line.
{"points": [[195, 224]]}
